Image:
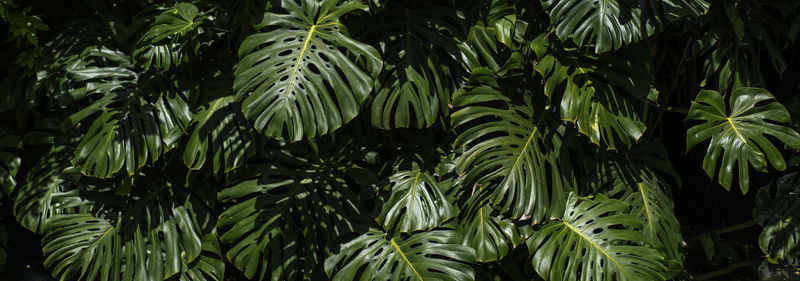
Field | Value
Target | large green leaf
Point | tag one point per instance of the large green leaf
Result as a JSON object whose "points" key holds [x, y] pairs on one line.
{"points": [[289, 210], [491, 235], [130, 125], [420, 69], [653, 207], [778, 211], [606, 24], [596, 240], [304, 76], [47, 190], [432, 255], [174, 37], [508, 154], [416, 203], [154, 234], [222, 135], [10, 160], [738, 134], [611, 24]]}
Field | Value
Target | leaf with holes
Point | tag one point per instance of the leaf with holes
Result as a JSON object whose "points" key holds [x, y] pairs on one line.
{"points": [[221, 136], [491, 235], [416, 203], [777, 209], [305, 77], [739, 135], [596, 240], [431, 255], [508, 154]]}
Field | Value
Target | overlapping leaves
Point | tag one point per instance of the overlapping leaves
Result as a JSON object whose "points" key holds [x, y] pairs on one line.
{"points": [[778, 211], [420, 67], [174, 38], [129, 125], [158, 232], [509, 154], [289, 210]]}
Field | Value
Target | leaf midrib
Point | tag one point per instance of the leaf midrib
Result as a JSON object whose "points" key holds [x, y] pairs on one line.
{"points": [[297, 64], [399, 251], [588, 239]]}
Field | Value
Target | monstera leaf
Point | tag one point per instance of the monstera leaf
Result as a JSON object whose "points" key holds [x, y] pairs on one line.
{"points": [[650, 204], [596, 240], [10, 148], [175, 36], [611, 24], [289, 212], [778, 211], [432, 255], [305, 76], [599, 94], [508, 154], [222, 135], [155, 234], [416, 203], [133, 125], [491, 235], [738, 134], [606, 24], [419, 70], [47, 190]]}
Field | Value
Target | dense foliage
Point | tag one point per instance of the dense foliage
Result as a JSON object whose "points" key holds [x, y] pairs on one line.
{"points": [[392, 139]]}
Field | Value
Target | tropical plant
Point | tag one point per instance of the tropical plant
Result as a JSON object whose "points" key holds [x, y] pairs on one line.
{"points": [[392, 139]]}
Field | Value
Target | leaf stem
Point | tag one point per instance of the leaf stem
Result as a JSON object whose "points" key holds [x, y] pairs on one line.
{"points": [[727, 229], [726, 270]]}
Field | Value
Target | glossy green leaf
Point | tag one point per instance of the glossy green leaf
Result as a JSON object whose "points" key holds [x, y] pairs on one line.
{"points": [[606, 24], [174, 37], [650, 204], [128, 126], [304, 77], [155, 235], [600, 94], [416, 203], [777, 210], [47, 191], [508, 154], [420, 70], [221, 136], [739, 133], [432, 255], [491, 235], [596, 240], [287, 213]]}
